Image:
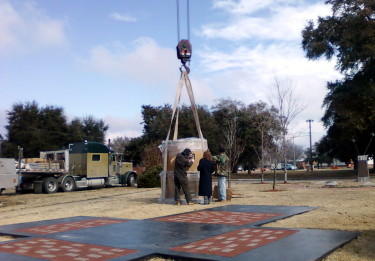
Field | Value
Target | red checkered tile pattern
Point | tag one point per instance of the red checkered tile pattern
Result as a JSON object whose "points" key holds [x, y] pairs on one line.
{"points": [[219, 217], [236, 242], [61, 227], [59, 250]]}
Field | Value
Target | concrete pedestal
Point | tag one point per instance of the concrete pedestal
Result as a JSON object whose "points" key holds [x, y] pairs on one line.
{"points": [[197, 146]]}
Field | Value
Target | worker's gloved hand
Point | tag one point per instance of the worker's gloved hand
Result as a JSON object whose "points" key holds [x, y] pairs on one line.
{"points": [[191, 158]]}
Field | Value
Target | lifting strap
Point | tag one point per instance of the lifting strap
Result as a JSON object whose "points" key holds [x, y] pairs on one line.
{"points": [[183, 79]]}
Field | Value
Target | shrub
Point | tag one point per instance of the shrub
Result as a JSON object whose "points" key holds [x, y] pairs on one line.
{"points": [[150, 178]]}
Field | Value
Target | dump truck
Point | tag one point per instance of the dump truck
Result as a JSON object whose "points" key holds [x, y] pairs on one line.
{"points": [[82, 165]]}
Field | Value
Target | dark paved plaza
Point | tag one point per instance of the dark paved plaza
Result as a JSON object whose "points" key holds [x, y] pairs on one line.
{"points": [[230, 232]]}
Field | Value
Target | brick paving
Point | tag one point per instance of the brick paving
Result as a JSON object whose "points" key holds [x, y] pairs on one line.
{"points": [[236, 242], [59, 250], [219, 217], [61, 227]]}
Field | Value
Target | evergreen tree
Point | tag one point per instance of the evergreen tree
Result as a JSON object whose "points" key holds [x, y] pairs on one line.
{"points": [[349, 36], [88, 128], [93, 129], [37, 129], [34, 129]]}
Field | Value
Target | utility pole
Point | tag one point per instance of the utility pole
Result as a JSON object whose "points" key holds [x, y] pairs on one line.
{"points": [[294, 153], [311, 162]]}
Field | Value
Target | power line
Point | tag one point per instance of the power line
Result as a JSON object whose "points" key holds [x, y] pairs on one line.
{"points": [[311, 162]]}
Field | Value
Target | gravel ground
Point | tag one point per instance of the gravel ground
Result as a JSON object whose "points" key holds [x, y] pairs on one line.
{"points": [[347, 206]]}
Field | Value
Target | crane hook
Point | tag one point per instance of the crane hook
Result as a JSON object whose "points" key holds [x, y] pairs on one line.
{"points": [[184, 51], [187, 69]]}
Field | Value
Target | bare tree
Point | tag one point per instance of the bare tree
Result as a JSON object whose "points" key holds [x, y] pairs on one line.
{"points": [[119, 143], [294, 151], [228, 113], [275, 151], [264, 119], [152, 156], [234, 147], [288, 105]]}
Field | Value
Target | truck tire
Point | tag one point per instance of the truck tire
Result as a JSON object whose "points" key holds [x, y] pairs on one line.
{"points": [[68, 184], [50, 185], [131, 181]]}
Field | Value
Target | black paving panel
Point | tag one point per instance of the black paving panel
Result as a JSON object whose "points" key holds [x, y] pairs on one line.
{"points": [[220, 233]]}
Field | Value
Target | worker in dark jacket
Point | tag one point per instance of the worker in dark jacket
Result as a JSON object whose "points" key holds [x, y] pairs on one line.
{"points": [[183, 160]]}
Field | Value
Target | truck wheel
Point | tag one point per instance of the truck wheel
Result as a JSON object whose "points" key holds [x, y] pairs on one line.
{"points": [[50, 185], [131, 180], [68, 184]]}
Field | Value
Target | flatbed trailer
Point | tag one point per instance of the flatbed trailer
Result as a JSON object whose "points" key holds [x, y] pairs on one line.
{"points": [[82, 165]]}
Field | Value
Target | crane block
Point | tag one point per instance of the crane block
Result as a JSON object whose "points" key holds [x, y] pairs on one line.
{"points": [[184, 50]]}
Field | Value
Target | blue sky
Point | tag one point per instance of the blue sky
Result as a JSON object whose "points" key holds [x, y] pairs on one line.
{"points": [[107, 58]]}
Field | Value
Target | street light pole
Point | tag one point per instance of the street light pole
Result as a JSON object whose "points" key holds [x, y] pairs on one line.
{"points": [[311, 162]]}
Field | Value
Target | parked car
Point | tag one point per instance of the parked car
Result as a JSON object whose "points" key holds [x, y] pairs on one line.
{"points": [[288, 166], [291, 167]]}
